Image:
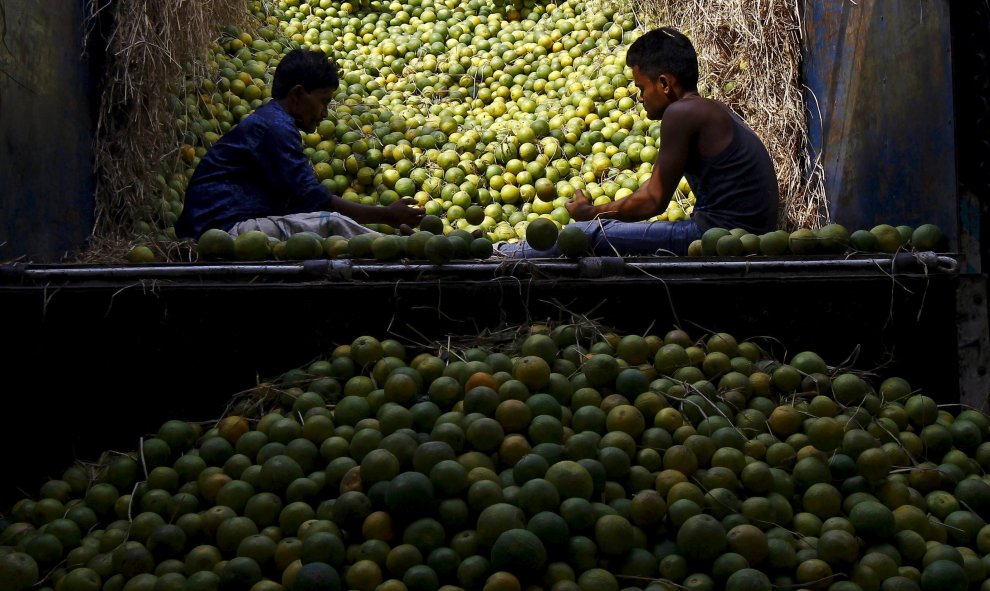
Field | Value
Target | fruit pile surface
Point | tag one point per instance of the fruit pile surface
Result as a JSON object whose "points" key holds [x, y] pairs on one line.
{"points": [[566, 459]]}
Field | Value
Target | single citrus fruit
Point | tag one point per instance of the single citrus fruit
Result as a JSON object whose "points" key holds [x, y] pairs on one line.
{"points": [[303, 246], [572, 241], [252, 245], [541, 234]]}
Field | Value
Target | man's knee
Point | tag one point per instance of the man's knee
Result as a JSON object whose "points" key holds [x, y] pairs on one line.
{"points": [[267, 226]]}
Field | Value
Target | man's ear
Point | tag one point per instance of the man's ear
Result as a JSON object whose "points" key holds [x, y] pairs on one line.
{"points": [[665, 82], [296, 92]]}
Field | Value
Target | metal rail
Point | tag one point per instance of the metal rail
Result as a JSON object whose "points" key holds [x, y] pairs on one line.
{"points": [[587, 267]]}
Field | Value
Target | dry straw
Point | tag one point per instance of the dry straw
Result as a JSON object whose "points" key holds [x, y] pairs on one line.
{"points": [[749, 54], [151, 47]]}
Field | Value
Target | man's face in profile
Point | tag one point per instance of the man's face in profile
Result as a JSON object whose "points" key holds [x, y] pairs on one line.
{"points": [[312, 108]]}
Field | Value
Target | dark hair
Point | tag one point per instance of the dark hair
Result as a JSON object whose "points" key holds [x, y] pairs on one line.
{"points": [[311, 69], [665, 50]]}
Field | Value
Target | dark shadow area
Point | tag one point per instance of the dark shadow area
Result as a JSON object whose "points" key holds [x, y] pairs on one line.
{"points": [[93, 368]]}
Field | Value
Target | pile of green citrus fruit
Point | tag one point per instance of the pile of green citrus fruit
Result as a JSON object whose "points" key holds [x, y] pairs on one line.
{"points": [[572, 459], [428, 244], [488, 115], [829, 239]]}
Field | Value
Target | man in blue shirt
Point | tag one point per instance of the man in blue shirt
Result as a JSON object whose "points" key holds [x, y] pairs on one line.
{"points": [[258, 178], [724, 161]]}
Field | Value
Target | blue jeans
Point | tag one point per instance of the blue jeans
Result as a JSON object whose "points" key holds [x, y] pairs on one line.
{"points": [[612, 237]]}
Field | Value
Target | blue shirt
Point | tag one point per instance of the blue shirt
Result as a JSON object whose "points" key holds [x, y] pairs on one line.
{"points": [[256, 169]]}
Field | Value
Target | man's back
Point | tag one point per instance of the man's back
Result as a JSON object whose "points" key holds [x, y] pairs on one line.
{"points": [[730, 171], [257, 169]]}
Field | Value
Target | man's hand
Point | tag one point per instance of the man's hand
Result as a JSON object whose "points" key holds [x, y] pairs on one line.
{"points": [[396, 214], [401, 213], [580, 208]]}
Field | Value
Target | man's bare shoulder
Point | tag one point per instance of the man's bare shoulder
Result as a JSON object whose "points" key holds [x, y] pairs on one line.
{"points": [[696, 108], [705, 119]]}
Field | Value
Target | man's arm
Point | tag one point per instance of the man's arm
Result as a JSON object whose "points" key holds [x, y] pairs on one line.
{"points": [[395, 214], [652, 198], [291, 172]]}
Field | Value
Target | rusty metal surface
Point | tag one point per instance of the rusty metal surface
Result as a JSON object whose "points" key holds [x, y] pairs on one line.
{"points": [[46, 131], [880, 95]]}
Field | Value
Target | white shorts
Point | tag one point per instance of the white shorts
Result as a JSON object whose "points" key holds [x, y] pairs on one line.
{"points": [[324, 223]]}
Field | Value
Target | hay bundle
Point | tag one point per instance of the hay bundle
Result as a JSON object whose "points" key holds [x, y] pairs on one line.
{"points": [[749, 54], [151, 45]]}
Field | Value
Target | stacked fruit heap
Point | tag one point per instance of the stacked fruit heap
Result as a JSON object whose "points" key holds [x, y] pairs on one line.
{"points": [[429, 243], [490, 116], [568, 460], [829, 239]]}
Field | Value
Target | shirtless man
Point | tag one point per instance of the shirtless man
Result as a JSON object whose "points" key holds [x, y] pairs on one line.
{"points": [[726, 164]]}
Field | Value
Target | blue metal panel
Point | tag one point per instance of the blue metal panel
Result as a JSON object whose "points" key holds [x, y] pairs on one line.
{"points": [[46, 131], [879, 88]]}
